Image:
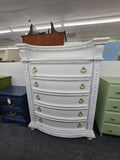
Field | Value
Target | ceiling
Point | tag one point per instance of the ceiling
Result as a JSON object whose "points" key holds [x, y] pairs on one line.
{"points": [[17, 13]]}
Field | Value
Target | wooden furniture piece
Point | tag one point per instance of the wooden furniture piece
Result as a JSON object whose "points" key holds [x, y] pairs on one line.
{"points": [[108, 106], [5, 81], [14, 105], [62, 84], [45, 39]]}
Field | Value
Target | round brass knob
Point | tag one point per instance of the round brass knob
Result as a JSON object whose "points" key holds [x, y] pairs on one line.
{"points": [[13, 114], [38, 97], [11, 105], [39, 109], [34, 69], [81, 100], [79, 125], [115, 107], [118, 92], [109, 130], [82, 86], [40, 120], [80, 114], [83, 70], [36, 84]]}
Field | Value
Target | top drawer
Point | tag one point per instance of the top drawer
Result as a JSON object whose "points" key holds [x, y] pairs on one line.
{"points": [[11, 101], [114, 91], [62, 70]]}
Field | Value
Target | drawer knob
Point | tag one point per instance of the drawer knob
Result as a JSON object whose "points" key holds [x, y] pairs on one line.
{"points": [[82, 86], [36, 84], [39, 109], [38, 97], [80, 114], [109, 130], [13, 114], [115, 107], [81, 100], [11, 105], [40, 120], [79, 125], [83, 70], [118, 92], [112, 119], [34, 69]]}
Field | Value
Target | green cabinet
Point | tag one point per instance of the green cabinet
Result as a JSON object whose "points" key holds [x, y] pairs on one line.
{"points": [[108, 106], [5, 82]]}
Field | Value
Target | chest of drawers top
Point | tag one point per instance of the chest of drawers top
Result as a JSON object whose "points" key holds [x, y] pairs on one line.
{"points": [[13, 97], [112, 80], [84, 51]]}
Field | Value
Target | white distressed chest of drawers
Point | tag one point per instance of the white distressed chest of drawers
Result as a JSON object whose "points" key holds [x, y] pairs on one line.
{"points": [[62, 84]]}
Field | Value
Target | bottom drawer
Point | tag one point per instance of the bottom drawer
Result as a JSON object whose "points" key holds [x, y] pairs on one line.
{"points": [[61, 124], [16, 119], [112, 129], [12, 113]]}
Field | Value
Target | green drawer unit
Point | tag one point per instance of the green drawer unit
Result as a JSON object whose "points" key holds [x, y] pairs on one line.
{"points": [[5, 82], [108, 106]]}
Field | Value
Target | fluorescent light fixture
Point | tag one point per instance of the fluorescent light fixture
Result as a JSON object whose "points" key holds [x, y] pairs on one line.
{"points": [[66, 24], [90, 22], [23, 29], [20, 29], [57, 25], [42, 27], [48, 26], [5, 31]]}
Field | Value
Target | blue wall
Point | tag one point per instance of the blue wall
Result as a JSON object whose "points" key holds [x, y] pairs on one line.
{"points": [[111, 51]]}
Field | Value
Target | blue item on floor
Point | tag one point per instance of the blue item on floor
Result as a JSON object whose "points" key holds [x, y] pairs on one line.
{"points": [[14, 105]]}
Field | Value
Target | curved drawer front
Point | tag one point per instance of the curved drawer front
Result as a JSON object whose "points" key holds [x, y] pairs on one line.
{"points": [[61, 124], [80, 113], [61, 100], [61, 69], [61, 86]]}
